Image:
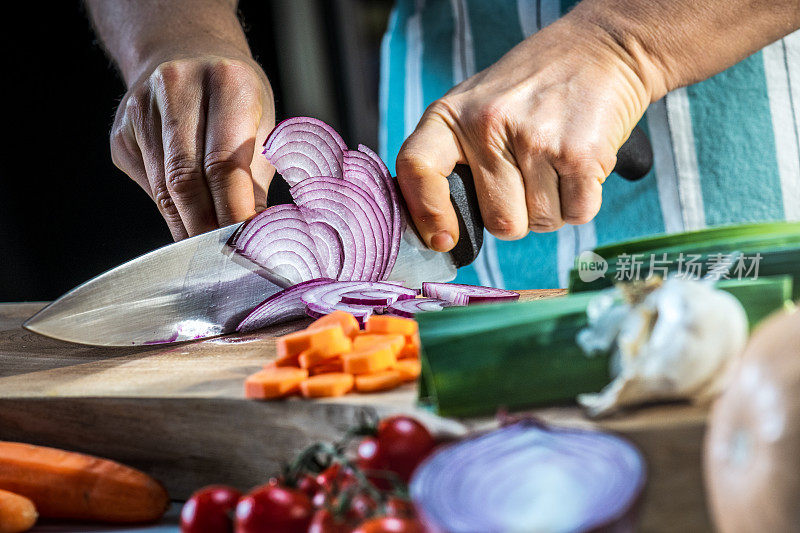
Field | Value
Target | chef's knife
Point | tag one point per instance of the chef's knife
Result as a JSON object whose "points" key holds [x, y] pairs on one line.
{"points": [[199, 288]]}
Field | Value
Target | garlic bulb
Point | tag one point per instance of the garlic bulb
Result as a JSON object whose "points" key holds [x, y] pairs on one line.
{"points": [[674, 344]]}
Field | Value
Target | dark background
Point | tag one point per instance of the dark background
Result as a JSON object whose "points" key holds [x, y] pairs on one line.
{"points": [[66, 213]]}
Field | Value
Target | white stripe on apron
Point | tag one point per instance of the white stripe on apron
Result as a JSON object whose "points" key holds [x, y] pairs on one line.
{"points": [[486, 264], [687, 168], [664, 163], [413, 105], [784, 126]]}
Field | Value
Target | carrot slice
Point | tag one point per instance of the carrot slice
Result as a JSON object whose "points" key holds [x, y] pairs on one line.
{"points": [[366, 340], [326, 341], [274, 382], [334, 365], [378, 381], [409, 369], [346, 320], [289, 347], [369, 360], [411, 348], [17, 513], [391, 324], [310, 358], [332, 384]]}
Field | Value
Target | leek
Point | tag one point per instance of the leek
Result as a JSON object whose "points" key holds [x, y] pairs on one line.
{"points": [[478, 359]]}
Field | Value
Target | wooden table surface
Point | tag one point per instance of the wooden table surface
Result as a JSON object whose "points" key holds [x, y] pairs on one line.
{"points": [[178, 412]]}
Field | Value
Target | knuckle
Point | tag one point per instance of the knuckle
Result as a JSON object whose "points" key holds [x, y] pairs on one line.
{"points": [[219, 164], [541, 216], [165, 203], [183, 175], [227, 71], [578, 160], [412, 164], [170, 73], [489, 120], [579, 205], [505, 227]]}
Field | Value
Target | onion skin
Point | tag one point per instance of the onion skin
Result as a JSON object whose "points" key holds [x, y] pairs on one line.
{"points": [[752, 448]]}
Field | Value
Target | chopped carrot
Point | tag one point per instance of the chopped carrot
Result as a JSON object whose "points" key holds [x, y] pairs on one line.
{"points": [[331, 384], [274, 382], [384, 380], [346, 320], [326, 341], [391, 324], [409, 369], [310, 358], [411, 348], [369, 360], [334, 365], [365, 340]]}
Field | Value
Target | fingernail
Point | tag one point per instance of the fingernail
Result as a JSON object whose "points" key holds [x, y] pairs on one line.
{"points": [[442, 241]]}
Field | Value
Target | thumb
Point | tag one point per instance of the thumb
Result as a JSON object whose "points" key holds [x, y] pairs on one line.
{"points": [[425, 160]]}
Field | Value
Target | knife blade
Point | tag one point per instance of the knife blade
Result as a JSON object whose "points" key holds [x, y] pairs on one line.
{"points": [[199, 288]]}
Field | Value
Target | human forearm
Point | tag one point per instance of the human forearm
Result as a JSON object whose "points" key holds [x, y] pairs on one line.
{"points": [[672, 43], [140, 34]]}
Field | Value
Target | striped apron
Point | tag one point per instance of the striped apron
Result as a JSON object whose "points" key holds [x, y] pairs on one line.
{"points": [[726, 150]]}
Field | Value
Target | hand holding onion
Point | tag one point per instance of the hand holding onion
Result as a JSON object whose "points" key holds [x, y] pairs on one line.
{"points": [[189, 133]]}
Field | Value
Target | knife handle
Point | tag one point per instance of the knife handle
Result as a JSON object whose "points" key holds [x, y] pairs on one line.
{"points": [[635, 157], [470, 223], [634, 161]]}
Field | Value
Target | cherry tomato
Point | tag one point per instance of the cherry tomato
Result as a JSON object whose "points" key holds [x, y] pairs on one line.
{"points": [[401, 443], [390, 524], [309, 485], [335, 478], [209, 510], [371, 458], [324, 522], [275, 509], [400, 508], [361, 506]]}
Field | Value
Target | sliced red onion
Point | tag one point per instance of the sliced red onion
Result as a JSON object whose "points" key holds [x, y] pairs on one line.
{"points": [[398, 218], [409, 308], [280, 307], [458, 294], [360, 312], [378, 296], [304, 147], [527, 477], [279, 239], [328, 298], [359, 215]]}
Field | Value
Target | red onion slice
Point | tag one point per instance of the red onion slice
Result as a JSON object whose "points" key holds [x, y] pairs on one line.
{"points": [[316, 148], [328, 298], [360, 312], [280, 307], [458, 294], [279, 239], [378, 296], [409, 308], [359, 215], [398, 215], [526, 477]]}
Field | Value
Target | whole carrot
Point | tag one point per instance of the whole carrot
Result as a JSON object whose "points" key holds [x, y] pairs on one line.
{"points": [[76, 486], [17, 513]]}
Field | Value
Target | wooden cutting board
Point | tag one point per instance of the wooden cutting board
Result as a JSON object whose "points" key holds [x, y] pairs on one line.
{"points": [[178, 412]]}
